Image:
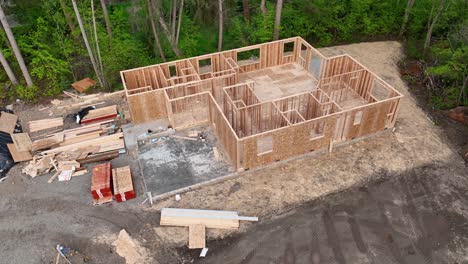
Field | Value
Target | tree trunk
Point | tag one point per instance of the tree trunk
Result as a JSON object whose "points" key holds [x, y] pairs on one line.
{"points": [[263, 8], [174, 19], [107, 20], [15, 48], [427, 43], [220, 32], [155, 33], [174, 47], [67, 15], [98, 50], [246, 9], [7, 68], [181, 14], [409, 6], [279, 8], [88, 47]]}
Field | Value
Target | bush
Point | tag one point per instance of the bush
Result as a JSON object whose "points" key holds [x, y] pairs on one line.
{"points": [[28, 94]]}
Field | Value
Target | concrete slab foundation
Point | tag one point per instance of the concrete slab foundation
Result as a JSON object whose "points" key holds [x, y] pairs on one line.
{"points": [[173, 163]]}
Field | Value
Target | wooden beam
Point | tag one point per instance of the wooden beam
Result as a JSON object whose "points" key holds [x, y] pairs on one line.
{"points": [[197, 236]]}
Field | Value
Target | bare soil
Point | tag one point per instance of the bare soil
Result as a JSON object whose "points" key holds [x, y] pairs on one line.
{"points": [[35, 215]]}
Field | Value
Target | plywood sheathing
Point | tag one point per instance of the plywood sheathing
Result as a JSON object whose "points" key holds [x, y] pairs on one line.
{"points": [[18, 155], [287, 142], [147, 106], [22, 141]]}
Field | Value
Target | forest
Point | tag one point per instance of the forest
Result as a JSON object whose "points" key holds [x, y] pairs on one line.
{"points": [[45, 45]]}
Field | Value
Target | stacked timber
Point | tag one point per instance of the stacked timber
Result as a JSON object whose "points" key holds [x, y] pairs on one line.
{"points": [[100, 114], [198, 220], [101, 189], [44, 124], [122, 183]]}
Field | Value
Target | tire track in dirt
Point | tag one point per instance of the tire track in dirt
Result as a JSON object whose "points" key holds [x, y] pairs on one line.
{"points": [[332, 237]]}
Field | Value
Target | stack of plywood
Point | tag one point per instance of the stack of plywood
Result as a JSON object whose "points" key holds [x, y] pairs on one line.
{"points": [[198, 220], [101, 189], [105, 113], [123, 185]]}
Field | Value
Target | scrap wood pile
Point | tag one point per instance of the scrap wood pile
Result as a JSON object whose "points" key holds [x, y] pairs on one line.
{"points": [[50, 147], [8, 126]]}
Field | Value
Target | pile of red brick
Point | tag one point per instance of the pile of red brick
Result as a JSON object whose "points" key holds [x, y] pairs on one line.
{"points": [[104, 180]]}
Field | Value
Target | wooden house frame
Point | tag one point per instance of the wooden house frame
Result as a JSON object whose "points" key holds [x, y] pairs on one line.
{"points": [[212, 89]]}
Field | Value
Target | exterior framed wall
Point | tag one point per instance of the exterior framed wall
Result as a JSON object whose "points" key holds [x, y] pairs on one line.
{"points": [[348, 102]]}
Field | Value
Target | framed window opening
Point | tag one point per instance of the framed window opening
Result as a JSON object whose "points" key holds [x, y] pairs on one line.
{"points": [[264, 145]]}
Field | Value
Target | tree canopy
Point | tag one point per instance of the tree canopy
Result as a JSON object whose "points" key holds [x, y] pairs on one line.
{"points": [[50, 40]]}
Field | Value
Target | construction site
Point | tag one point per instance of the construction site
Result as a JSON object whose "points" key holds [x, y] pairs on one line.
{"points": [[271, 153]]}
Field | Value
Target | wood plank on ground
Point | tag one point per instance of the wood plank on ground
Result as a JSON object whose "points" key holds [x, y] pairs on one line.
{"points": [[197, 236], [18, 155], [8, 122], [22, 141], [208, 218]]}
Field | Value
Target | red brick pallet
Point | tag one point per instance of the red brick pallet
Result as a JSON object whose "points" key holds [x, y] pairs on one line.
{"points": [[123, 185], [101, 181]]}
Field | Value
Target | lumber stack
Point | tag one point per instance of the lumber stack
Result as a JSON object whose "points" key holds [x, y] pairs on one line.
{"points": [[101, 189], [84, 133], [198, 220], [105, 113], [122, 183], [44, 124]]}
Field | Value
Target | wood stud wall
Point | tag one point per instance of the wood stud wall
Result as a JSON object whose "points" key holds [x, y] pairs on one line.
{"points": [[189, 95]]}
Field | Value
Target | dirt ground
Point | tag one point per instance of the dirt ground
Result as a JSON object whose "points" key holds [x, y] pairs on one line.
{"points": [[412, 173]]}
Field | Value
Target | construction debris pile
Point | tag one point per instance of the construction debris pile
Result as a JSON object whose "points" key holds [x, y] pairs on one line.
{"points": [[64, 146], [66, 150]]}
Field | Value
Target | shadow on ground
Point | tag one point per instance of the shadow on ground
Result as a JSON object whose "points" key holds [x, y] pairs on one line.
{"points": [[414, 217]]}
